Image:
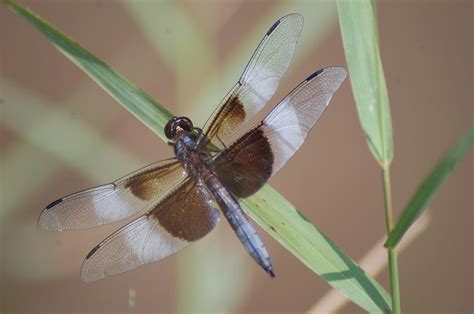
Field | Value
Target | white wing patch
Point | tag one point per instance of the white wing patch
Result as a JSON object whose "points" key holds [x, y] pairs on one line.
{"points": [[114, 201], [262, 74], [269, 62], [288, 124], [185, 215], [140, 242]]}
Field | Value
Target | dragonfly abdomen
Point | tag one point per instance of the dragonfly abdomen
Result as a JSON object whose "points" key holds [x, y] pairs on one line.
{"points": [[240, 223]]}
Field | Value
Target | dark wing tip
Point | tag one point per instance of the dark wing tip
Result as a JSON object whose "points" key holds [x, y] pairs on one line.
{"points": [[293, 16], [92, 251], [87, 272], [312, 76], [273, 27], [56, 202], [333, 69], [48, 220]]}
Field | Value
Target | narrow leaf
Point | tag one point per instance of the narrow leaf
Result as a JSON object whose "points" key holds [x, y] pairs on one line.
{"points": [[299, 236], [427, 190], [135, 100], [360, 37], [275, 214]]}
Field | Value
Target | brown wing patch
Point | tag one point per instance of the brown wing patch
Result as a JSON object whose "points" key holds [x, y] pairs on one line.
{"points": [[259, 81], [229, 118], [114, 201], [146, 185], [187, 212], [246, 165]]}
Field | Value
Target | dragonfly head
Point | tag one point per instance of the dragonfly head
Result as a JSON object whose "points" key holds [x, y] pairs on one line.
{"points": [[178, 125]]}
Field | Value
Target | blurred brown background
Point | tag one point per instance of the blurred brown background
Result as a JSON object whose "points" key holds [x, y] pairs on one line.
{"points": [[61, 133]]}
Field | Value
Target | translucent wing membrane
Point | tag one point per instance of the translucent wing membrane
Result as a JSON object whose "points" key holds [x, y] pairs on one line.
{"points": [[248, 163], [180, 209], [259, 81], [287, 126], [114, 201], [185, 215]]}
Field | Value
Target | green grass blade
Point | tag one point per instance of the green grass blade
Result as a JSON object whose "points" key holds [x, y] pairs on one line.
{"points": [[429, 186], [275, 214], [358, 24], [135, 100], [298, 235]]}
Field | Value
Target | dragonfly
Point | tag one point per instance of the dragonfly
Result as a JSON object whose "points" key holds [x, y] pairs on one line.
{"points": [[182, 198]]}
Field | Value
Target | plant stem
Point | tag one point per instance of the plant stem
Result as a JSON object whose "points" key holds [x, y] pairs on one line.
{"points": [[392, 253]]}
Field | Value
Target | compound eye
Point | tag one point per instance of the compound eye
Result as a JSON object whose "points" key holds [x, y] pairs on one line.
{"points": [[170, 128], [176, 125], [185, 124]]}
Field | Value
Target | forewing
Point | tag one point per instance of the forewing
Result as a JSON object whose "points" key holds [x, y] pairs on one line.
{"points": [[248, 163], [114, 201], [184, 216], [259, 81]]}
